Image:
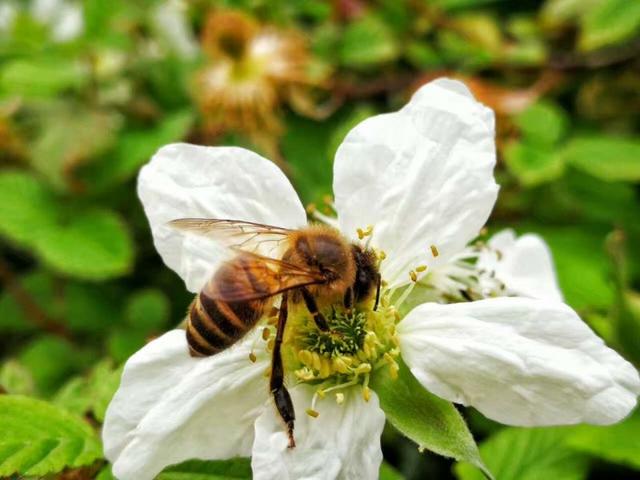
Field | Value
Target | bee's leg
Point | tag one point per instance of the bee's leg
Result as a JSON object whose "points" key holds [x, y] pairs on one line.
{"points": [[378, 283], [312, 306], [348, 299], [280, 393]]}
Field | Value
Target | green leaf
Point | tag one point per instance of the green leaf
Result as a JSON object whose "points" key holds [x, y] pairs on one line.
{"points": [[422, 55], [387, 472], [124, 342], [74, 397], [431, 422], [532, 164], [367, 42], [615, 443], [27, 208], [627, 316], [542, 123], [148, 309], [16, 378], [234, 469], [136, 146], [528, 454], [608, 158], [105, 474], [583, 268], [40, 289], [103, 383], [42, 77], [556, 13], [91, 308], [51, 360], [57, 155], [39, 438], [92, 393], [609, 22], [304, 147], [94, 245]]}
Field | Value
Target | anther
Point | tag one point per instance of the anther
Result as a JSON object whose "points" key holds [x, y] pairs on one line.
{"points": [[434, 251], [339, 398], [271, 344], [363, 368], [382, 255], [252, 357], [317, 363], [394, 368], [311, 208], [325, 367], [413, 275], [266, 333], [366, 393], [421, 268], [312, 413]]}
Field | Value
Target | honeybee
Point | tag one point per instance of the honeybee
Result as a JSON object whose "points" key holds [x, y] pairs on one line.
{"points": [[317, 266]]}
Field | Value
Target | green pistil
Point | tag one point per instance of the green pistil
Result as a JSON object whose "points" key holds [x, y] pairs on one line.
{"points": [[346, 335]]}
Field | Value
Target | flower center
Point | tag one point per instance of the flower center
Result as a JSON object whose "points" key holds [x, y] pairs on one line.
{"points": [[359, 342]]}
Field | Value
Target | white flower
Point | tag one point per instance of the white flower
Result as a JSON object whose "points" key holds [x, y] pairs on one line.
{"points": [[523, 265], [420, 177]]}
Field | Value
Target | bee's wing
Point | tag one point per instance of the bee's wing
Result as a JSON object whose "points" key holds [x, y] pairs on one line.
{"points": [[251, 276], [236, 234]]}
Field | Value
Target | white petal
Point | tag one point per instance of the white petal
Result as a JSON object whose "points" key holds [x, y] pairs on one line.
{"points": [[183, 180], [171, 407], [519, 361], [524, 265], [421, 176], [343, 442]]}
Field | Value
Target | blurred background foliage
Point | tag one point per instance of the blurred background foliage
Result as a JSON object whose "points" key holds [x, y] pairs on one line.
{"points": [[90, 89]]}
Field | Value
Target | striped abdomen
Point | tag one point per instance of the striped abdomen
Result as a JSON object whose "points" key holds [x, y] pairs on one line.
{"points": [[214, 325]]}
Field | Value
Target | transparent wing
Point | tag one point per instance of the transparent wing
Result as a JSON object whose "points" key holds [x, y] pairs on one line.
{"points": [[251, 276], [236, 234]]}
